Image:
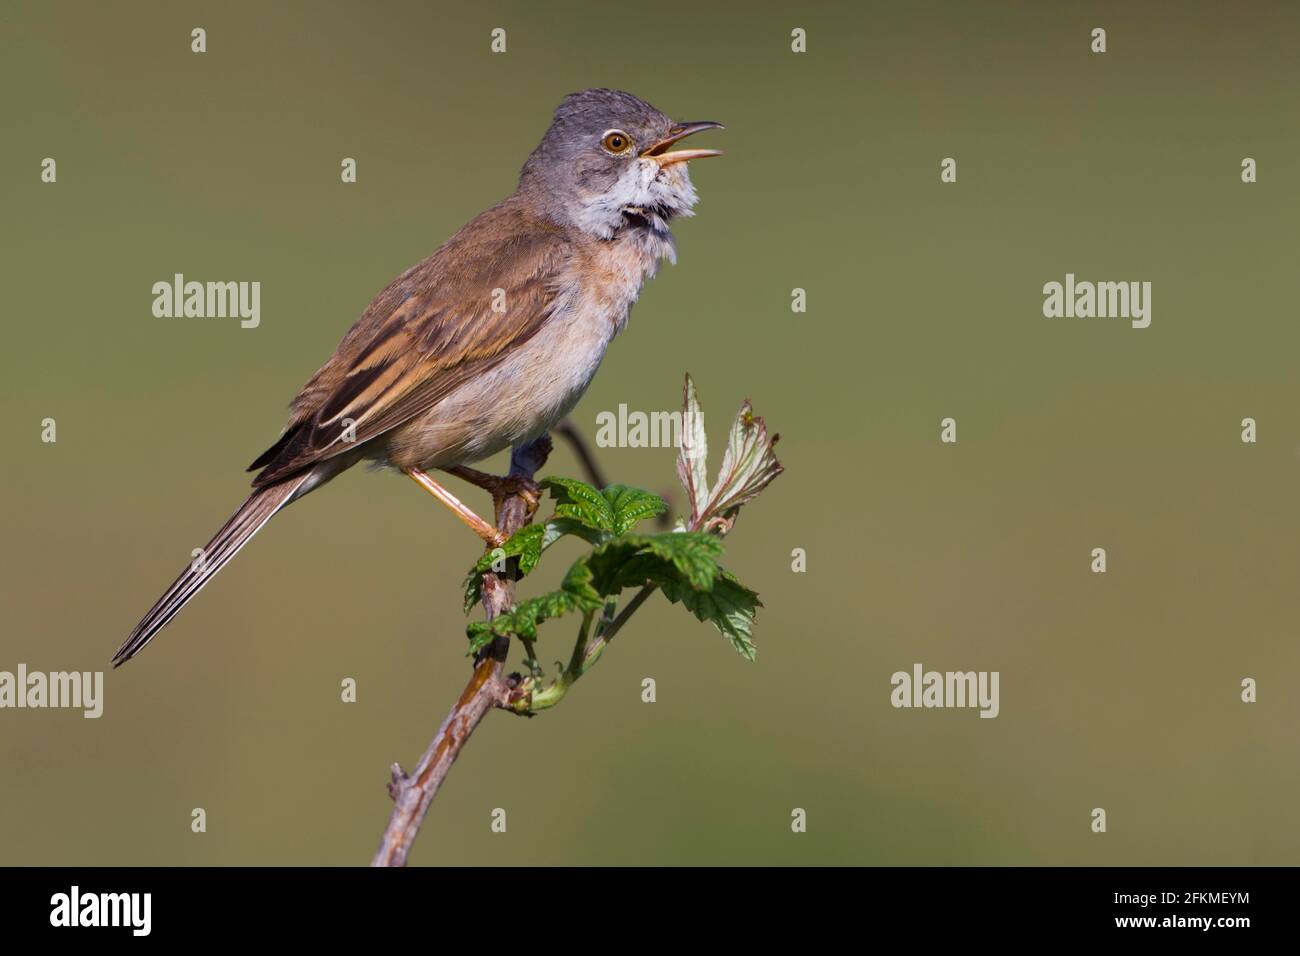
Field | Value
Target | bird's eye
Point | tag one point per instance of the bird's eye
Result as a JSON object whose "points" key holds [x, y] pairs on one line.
{"points": [[616, 141]]}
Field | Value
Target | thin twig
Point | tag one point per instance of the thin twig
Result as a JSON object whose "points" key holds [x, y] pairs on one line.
{"points": [[606, 634], [526, 699], [413, 793], [583, 451]]}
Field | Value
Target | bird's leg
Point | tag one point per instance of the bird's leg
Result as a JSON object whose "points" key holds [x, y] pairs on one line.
{"points": [[501, 488], [483, 529]]}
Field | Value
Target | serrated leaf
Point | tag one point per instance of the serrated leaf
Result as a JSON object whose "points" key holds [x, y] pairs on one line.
{"points": [[480, 636], [728, 605], [525, 544], [578, 583], [605, 562], [576, 593], [631, 505], [522, 620], [632, 559], [693, 553], [748, 466], [581, 502], [693, 454], [683, 562], [557, 528]]}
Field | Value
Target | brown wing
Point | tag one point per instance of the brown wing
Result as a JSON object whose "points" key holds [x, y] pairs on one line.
{"points": [[432, 329]]}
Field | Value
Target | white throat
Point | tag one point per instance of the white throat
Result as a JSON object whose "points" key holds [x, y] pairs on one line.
{"points": [[643, 200]]}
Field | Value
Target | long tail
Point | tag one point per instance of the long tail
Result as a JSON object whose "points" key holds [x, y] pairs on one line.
{"points": [[225, 544]]}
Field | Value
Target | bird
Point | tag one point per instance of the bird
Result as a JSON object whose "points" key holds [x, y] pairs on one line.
{"points": [[489, 341]]}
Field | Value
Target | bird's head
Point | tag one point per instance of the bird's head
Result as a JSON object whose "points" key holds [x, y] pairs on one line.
{"points": [[608, 159]]}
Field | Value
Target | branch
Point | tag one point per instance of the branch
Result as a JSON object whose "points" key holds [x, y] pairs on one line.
{"points": [[587, 649], [748, 466], [487, 688], [583, 451]]}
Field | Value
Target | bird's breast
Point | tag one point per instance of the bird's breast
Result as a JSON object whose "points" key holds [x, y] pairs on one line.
{"points": [[607, 277], [542, 379], [593, 298]]}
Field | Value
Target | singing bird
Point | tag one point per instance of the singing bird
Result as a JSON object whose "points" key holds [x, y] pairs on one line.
{"points": [[489, 341]]}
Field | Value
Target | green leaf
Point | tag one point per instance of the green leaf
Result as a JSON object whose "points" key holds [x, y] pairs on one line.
{"points": [[631, 505], [576, 593], [594, 515], [605, 564], [693, 553], [557, 528], [525, 544], [632, 559], [522, 620], [581, 502], [728, 605], [578, 584], [683, 563]]}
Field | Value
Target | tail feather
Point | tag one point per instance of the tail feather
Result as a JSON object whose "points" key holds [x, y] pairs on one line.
{"points": [[247, 520]]}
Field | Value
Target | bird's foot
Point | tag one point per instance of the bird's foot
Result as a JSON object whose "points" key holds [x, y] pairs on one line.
{"points": [[501, 487]]}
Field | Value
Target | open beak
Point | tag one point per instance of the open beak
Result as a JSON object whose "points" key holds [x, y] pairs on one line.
{"points": [[660, 153]]}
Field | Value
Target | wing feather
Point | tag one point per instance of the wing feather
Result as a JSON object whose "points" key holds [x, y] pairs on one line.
{"points": [[484, 293]]}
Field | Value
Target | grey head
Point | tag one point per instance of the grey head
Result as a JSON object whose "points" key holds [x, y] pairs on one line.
{"points": [[607, 162]]}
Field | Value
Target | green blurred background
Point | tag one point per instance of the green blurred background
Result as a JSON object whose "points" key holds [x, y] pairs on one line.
{"points": [[1118, 691]]}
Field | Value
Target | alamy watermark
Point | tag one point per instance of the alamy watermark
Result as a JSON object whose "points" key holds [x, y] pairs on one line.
{"points": [[1103, 300], [922, 688], [209, 300], [78, 690], [635, 429], [75, 908]]}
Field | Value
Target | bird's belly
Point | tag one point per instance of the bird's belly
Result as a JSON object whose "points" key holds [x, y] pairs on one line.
{"points": [[524, 395]]}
